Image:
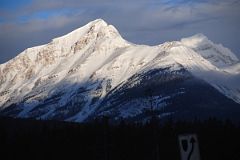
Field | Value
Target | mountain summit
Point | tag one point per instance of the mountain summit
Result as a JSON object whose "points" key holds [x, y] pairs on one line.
{"points": [[94, 72]]}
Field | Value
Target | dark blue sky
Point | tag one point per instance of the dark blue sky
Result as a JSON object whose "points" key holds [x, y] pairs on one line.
{"points": [[27, 23]]}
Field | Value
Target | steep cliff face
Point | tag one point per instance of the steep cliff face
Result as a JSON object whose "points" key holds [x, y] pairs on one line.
{"points": [[93, 71]]}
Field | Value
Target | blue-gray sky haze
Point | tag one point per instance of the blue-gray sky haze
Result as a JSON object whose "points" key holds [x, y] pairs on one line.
{"points": [[27, 23]]}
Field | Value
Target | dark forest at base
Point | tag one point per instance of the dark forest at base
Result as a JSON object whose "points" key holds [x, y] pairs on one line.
{"points": [[32, 139]]}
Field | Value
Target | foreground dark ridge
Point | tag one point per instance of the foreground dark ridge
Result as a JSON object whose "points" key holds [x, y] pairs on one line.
{"points": [[31, 139]]}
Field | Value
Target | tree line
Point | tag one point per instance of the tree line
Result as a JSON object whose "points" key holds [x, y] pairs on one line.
{"points": [[100, 140]]}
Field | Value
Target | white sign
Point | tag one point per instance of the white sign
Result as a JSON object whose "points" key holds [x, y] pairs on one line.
{"points": [[189, 148]]}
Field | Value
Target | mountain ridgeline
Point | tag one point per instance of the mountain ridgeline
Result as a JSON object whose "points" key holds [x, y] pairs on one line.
{"points": [[93, 72]]}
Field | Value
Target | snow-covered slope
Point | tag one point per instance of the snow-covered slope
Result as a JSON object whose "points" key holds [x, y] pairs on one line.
{"points": [[71, 77]]}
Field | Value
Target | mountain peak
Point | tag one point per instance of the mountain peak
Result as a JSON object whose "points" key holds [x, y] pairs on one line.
{"points": [[94, 28], [196, 41], [99, 25], [98, 22], [217, 54]]}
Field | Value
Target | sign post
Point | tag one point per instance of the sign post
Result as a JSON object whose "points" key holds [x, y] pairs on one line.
{"points": [[189, 148]]}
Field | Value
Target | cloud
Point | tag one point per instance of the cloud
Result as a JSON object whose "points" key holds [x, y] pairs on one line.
{"points": [[140, 21]]}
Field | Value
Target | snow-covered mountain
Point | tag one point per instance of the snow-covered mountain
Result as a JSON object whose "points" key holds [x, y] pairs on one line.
{"points": [[93, 71]]}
